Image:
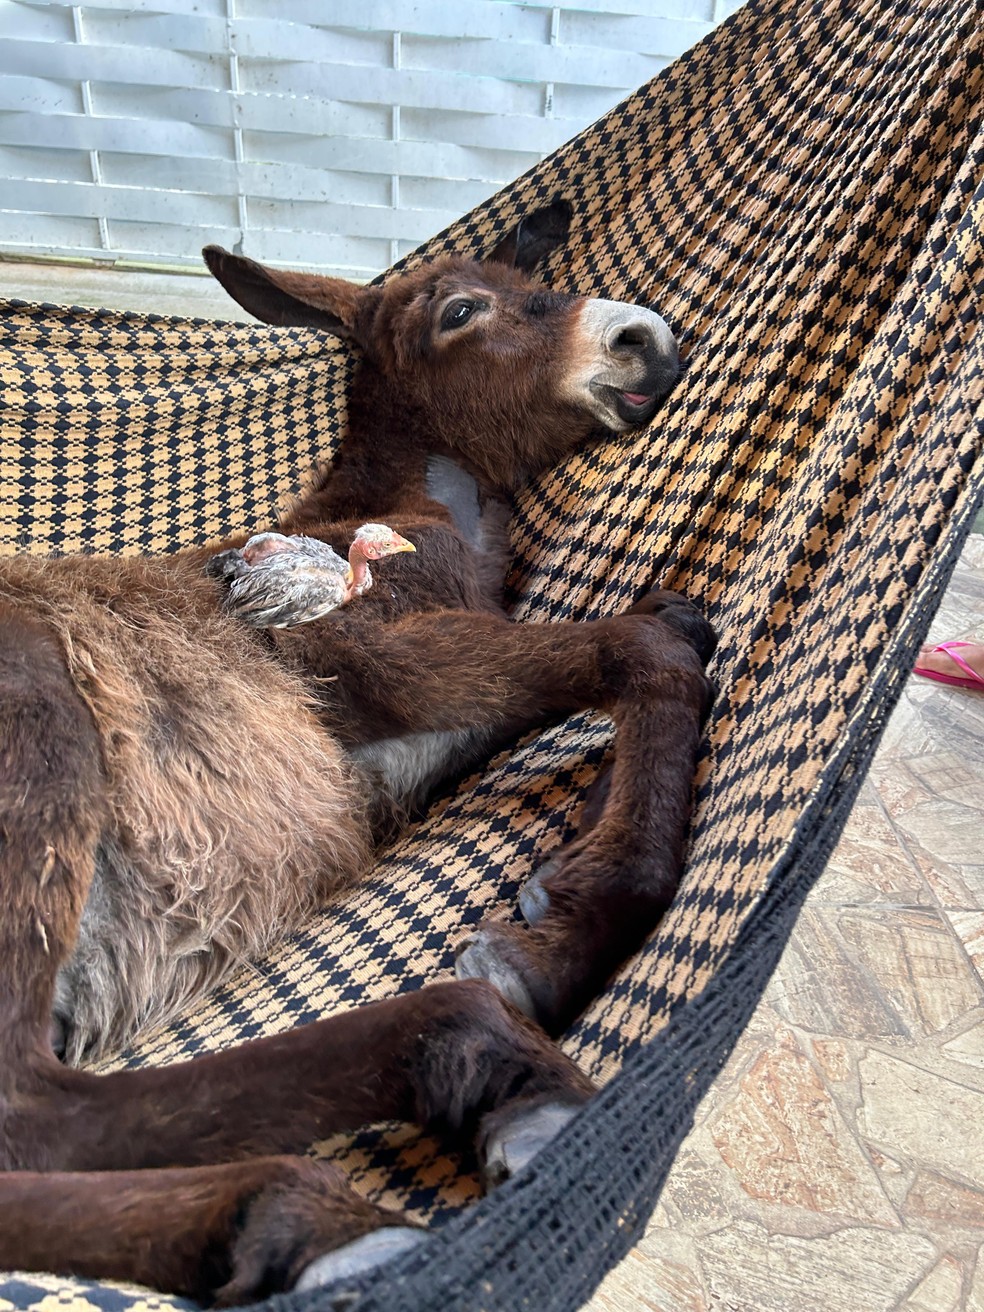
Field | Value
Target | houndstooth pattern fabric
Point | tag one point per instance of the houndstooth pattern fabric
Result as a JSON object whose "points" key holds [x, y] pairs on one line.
{"points": [[138, 433], [801, 198]]}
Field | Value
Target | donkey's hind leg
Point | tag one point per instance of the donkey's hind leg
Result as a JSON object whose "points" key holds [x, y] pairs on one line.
{"points": [[229, 1234], [454, 1056], [52, 812]]}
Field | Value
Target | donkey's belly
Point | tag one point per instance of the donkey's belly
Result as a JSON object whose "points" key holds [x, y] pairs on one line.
{"points": [[205, 868], [231, 810], [404, 772]]}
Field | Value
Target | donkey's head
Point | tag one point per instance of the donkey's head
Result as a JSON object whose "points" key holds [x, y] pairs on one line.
{"points": [[474, 359]]}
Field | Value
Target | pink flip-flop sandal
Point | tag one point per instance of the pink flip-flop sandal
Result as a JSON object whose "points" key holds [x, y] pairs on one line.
{"points": [[974, 681]]}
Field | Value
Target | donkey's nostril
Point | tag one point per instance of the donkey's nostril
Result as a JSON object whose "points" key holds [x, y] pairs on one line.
{"points": [[633, 338]]}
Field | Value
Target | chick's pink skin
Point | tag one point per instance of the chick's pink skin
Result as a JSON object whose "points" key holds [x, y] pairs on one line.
{"points": [[262, 545], [372, 542]]}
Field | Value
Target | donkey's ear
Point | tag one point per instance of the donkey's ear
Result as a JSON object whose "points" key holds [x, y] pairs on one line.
{"points": [[535, 237], [297, 300]]}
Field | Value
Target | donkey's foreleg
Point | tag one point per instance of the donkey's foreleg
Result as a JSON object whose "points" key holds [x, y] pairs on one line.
{"points": [[453, 671], [596, 899], [229, 1234]]}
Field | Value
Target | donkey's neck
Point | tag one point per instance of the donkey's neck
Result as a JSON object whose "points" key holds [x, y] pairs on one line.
{"points": [[393, 465], [380, 469]]}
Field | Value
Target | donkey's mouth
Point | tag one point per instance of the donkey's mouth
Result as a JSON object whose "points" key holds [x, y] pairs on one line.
{"points": [[621, 411], [622, 408], [634, 408]]}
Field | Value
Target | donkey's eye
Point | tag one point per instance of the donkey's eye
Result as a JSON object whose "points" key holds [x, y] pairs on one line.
{"points": [[457, 314]]}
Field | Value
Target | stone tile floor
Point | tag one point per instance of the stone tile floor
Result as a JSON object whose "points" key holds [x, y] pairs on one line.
{"points": [[838, 1163]]}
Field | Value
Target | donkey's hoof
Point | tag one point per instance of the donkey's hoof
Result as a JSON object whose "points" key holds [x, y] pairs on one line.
{"points": [[361, 1255], [534, 899], [480, 957], [656, 600], [514, 1143], [681, 615]]}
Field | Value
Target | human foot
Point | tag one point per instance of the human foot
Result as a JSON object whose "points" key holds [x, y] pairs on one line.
{"points": [[958, 663]]}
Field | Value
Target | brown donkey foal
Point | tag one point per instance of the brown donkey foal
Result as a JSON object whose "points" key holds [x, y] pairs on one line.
{"points": [[179, 788]]}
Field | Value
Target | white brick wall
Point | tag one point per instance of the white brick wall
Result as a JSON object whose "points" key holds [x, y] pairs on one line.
{"points": [[333, 134]]}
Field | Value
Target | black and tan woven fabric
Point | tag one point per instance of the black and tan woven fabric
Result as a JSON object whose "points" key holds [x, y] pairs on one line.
{"points": [[801, 197]]}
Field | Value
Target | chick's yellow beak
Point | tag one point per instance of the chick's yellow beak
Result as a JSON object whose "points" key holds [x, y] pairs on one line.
{"points": [[397, 543]]}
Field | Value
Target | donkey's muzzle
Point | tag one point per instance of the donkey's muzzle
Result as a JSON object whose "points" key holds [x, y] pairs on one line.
{"points": [[627, 362]]}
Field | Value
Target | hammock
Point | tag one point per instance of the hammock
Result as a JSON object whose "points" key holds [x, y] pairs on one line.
{"points": [[797, 196]]}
